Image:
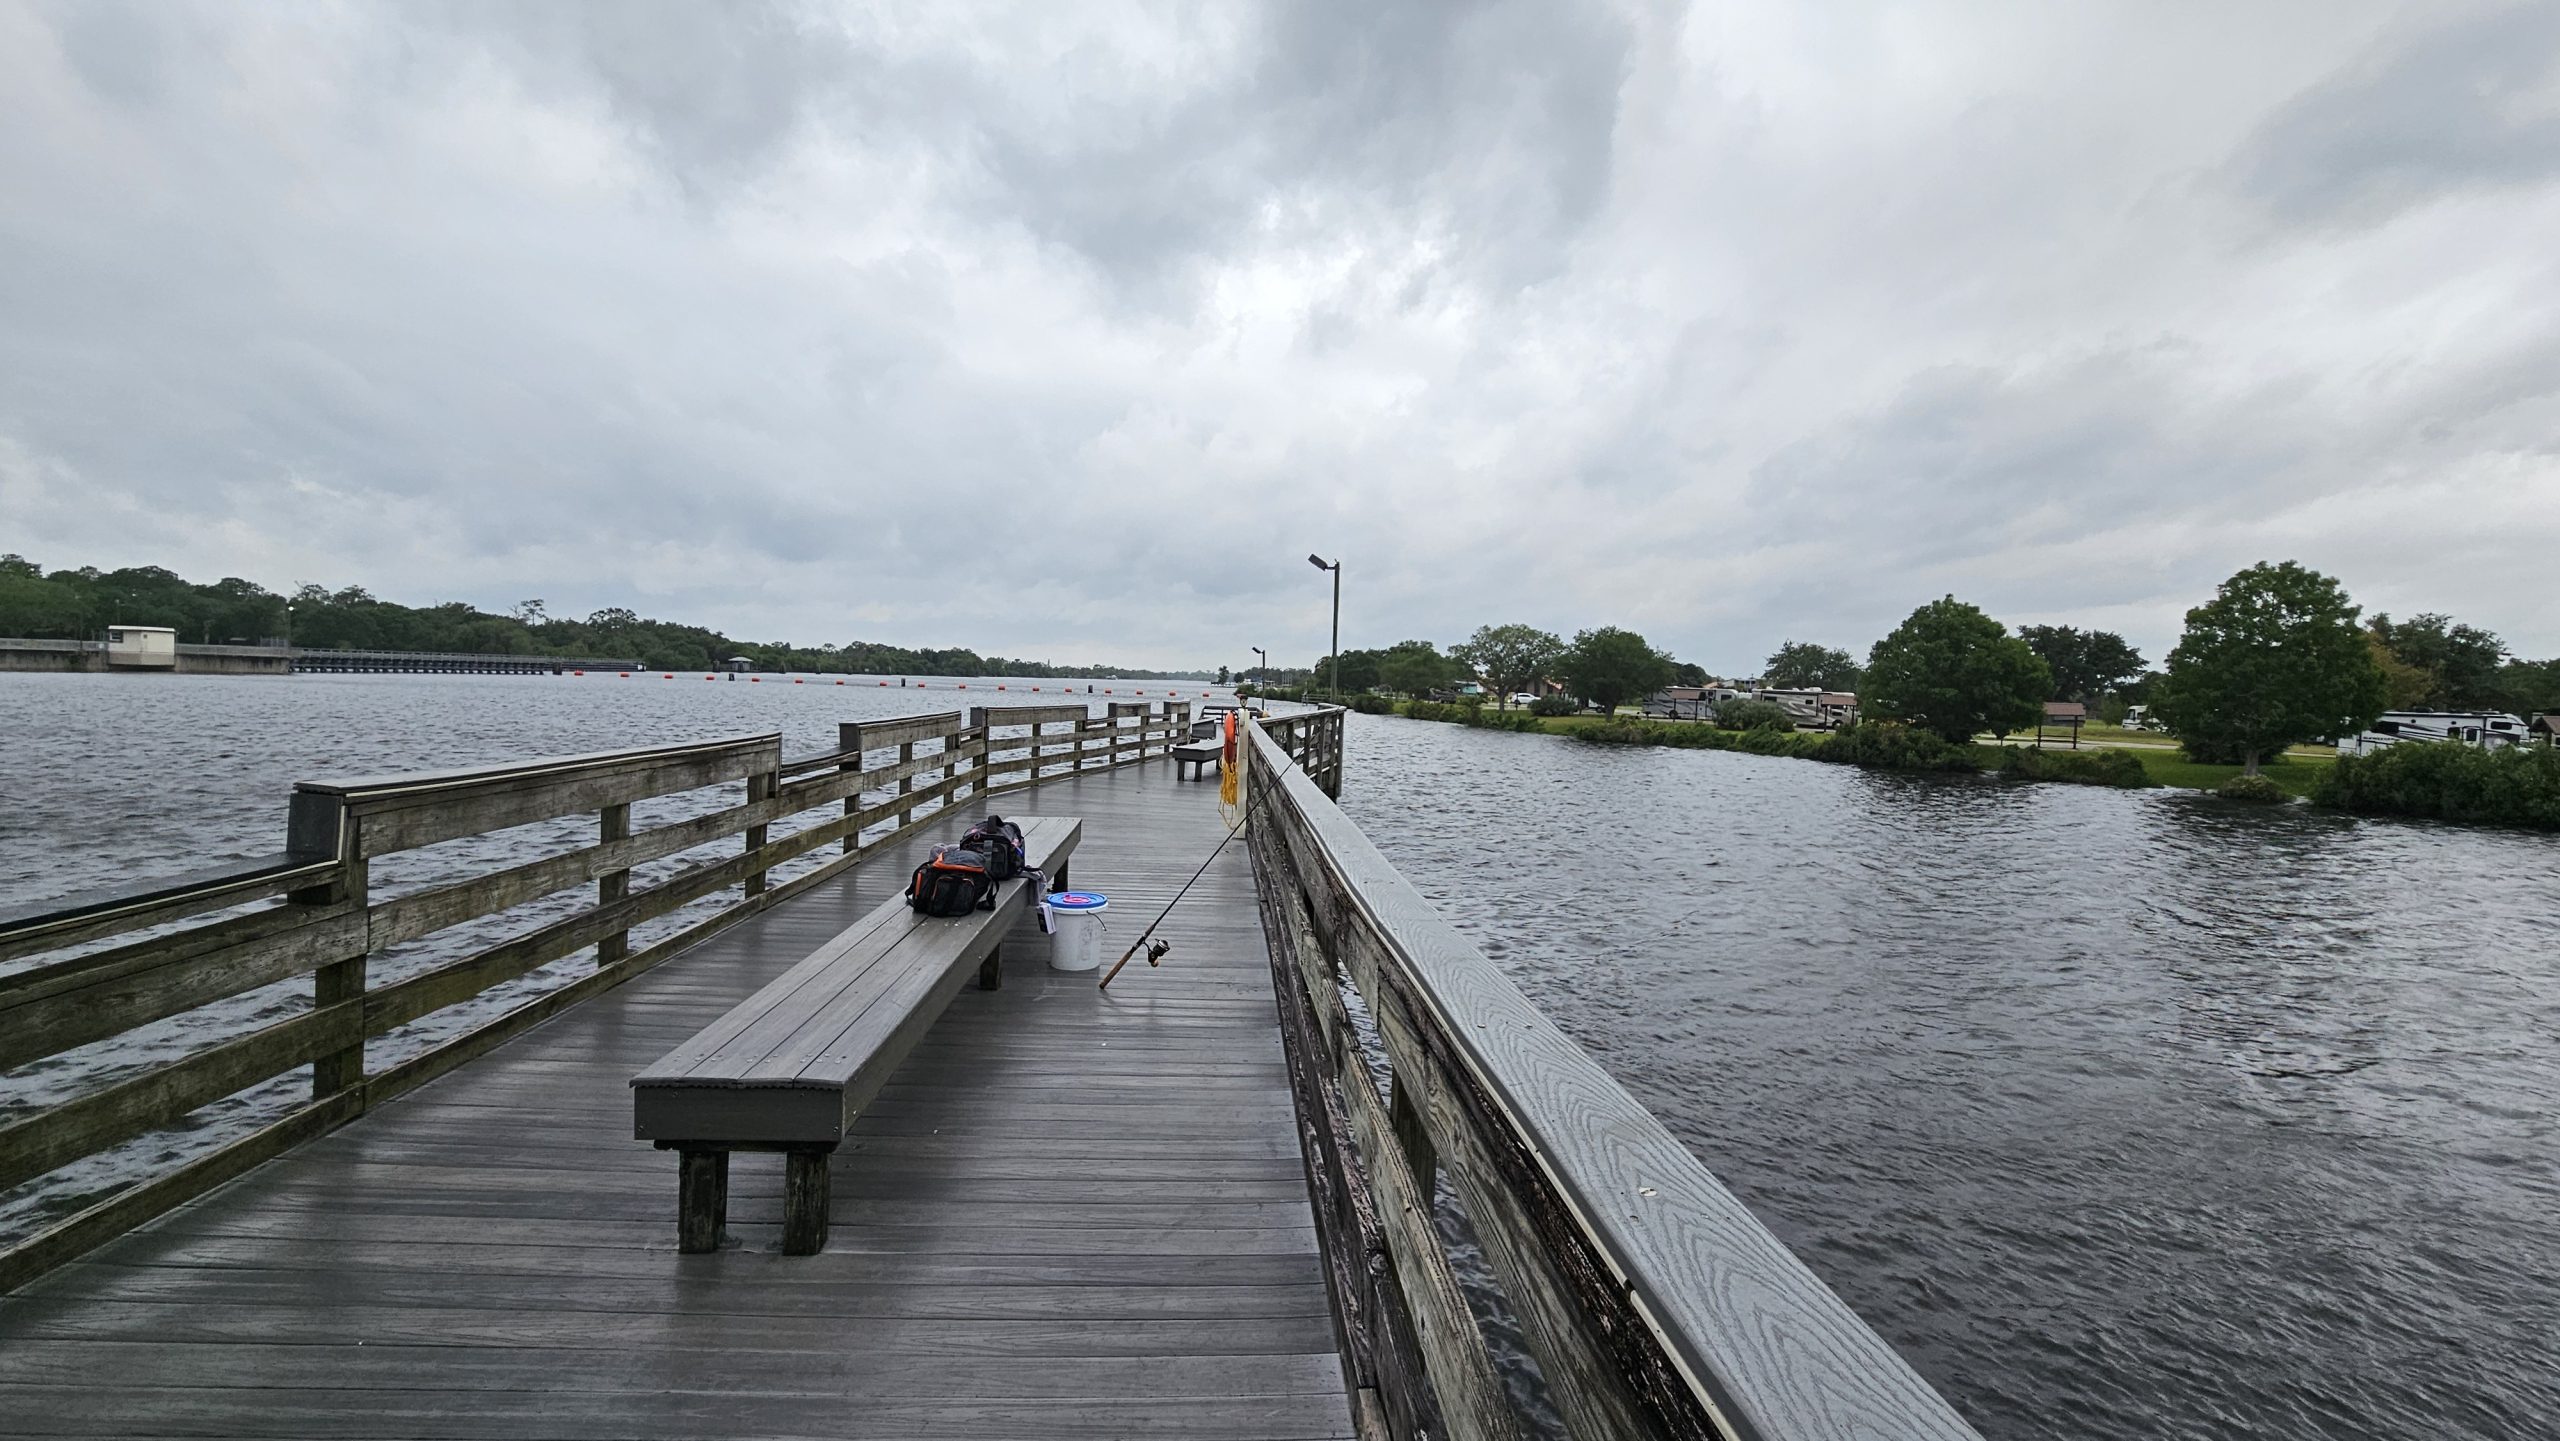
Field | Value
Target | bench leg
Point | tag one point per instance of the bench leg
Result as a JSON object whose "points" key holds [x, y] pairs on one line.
{"points": [[991, 971], [702, 1200], [804, 1203], [1058, 882]]}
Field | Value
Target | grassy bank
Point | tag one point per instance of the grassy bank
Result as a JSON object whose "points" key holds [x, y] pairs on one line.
{"points": [[2448, 781], [2298, 776], [1886, 747]]}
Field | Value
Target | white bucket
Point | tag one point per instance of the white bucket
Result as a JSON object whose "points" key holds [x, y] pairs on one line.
{"points": [[1075, 942]]}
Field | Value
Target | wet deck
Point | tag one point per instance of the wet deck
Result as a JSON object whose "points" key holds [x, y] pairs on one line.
{"points": [[1071, 1214]]}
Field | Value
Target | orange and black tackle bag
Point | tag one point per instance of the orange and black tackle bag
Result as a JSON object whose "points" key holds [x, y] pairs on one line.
{"points": [[953, 881]]}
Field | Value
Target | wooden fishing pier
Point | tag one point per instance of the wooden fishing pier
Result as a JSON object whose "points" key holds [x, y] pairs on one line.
{"points": [[1322, 1173]]}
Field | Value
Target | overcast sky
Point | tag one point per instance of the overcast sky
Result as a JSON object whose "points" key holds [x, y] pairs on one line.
{"points": [[1068, 330]]}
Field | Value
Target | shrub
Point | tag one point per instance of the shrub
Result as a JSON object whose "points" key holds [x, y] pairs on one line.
{"points": [[2448, 780], [2088, 768], [1550, 705], [2255, 789], [1469, 712], [1754, 715], [1888, 745], [1368, 704]]}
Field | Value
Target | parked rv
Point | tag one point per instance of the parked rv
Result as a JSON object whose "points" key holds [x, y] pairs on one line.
{"points": [[2489, 730]]}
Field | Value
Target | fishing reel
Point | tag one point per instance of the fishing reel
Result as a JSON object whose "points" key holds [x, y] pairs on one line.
{"points": [[1156, 950]]}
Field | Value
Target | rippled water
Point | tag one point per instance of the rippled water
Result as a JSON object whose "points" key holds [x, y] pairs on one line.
{"points": [[2122, 1114]]}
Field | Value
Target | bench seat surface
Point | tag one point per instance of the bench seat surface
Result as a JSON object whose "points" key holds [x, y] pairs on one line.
{"points": [[830, 1027]]}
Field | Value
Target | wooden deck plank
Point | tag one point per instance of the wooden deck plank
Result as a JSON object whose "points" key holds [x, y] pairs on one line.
{"points": [[1072, 1213]]}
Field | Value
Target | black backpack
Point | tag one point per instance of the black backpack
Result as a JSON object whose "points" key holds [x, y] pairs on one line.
{"points": [[1000, 840], [953, 881]]}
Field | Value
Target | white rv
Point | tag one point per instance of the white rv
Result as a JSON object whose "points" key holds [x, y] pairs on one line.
{"points": [[2489, 730]]}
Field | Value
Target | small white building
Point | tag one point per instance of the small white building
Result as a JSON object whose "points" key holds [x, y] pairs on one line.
{"points": [[142, 647], [2489, 730]]}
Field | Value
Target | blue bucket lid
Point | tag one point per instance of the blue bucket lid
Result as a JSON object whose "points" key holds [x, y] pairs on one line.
{"points": [[1078, 901]]}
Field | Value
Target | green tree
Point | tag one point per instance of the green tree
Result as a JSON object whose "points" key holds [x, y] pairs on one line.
{"points": [[2404, 685], [37, 607], [1359, 670], [2530, 686], [1802, 665], [2274, 659], [2086, 664], [2461, 662], [1415, 667], [1509, 658], [1609, 667], [1954, 671], [1688, 673]]}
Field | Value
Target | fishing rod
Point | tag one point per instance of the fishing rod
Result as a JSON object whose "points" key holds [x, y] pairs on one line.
{"points": [[1156, 952]]}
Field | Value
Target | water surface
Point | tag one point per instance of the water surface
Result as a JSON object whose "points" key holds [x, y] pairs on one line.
{"points": [[2122, 1114]]}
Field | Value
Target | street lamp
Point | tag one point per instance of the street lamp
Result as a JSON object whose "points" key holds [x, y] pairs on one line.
{"points": [[1261, 679], [1335, 669]]}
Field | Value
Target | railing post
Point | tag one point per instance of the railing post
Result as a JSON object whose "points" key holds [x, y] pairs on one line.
{"points": [[1413, 1133], [906, 753], [318, 824], [760, 787], [614, 824]]}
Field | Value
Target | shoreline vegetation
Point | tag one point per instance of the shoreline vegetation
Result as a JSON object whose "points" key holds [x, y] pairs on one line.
{"points": [[2450, 781], [80, 604]]}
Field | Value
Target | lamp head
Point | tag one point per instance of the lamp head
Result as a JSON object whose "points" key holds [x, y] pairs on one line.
{"points": [[1318, 562]]}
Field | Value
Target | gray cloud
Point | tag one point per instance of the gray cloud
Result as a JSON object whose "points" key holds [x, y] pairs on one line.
{"points": [[1729, 323], [2443, 106]]}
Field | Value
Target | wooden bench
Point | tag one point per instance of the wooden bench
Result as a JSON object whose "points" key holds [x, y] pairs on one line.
{"points": [[788, 1068], [1199, 755]]}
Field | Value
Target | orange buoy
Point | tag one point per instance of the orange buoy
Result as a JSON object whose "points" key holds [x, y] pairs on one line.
{"points": [[577, 672], [626, 675], [999, 687]]}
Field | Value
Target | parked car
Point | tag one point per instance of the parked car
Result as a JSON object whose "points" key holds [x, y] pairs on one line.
{"points": [[1523, 698]]}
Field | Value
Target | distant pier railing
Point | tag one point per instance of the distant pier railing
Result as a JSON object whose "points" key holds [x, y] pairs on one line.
{"points": [[184, 943], [1312, 740], [1654, 1303]]}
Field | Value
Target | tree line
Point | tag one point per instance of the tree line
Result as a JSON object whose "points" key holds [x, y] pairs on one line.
{"points": [[80, 605], [2277, 658]]}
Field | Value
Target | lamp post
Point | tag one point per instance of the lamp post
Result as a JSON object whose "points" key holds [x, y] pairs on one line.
{"points": [[1334, 669], [1261, 679]]}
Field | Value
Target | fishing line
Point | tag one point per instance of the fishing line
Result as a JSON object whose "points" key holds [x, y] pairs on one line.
{"points": [[1156, 953]]}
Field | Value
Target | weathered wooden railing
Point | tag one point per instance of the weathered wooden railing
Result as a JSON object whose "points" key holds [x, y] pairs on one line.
{"points": [[1653, 1302], [324, 918], [1312, 740]]}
